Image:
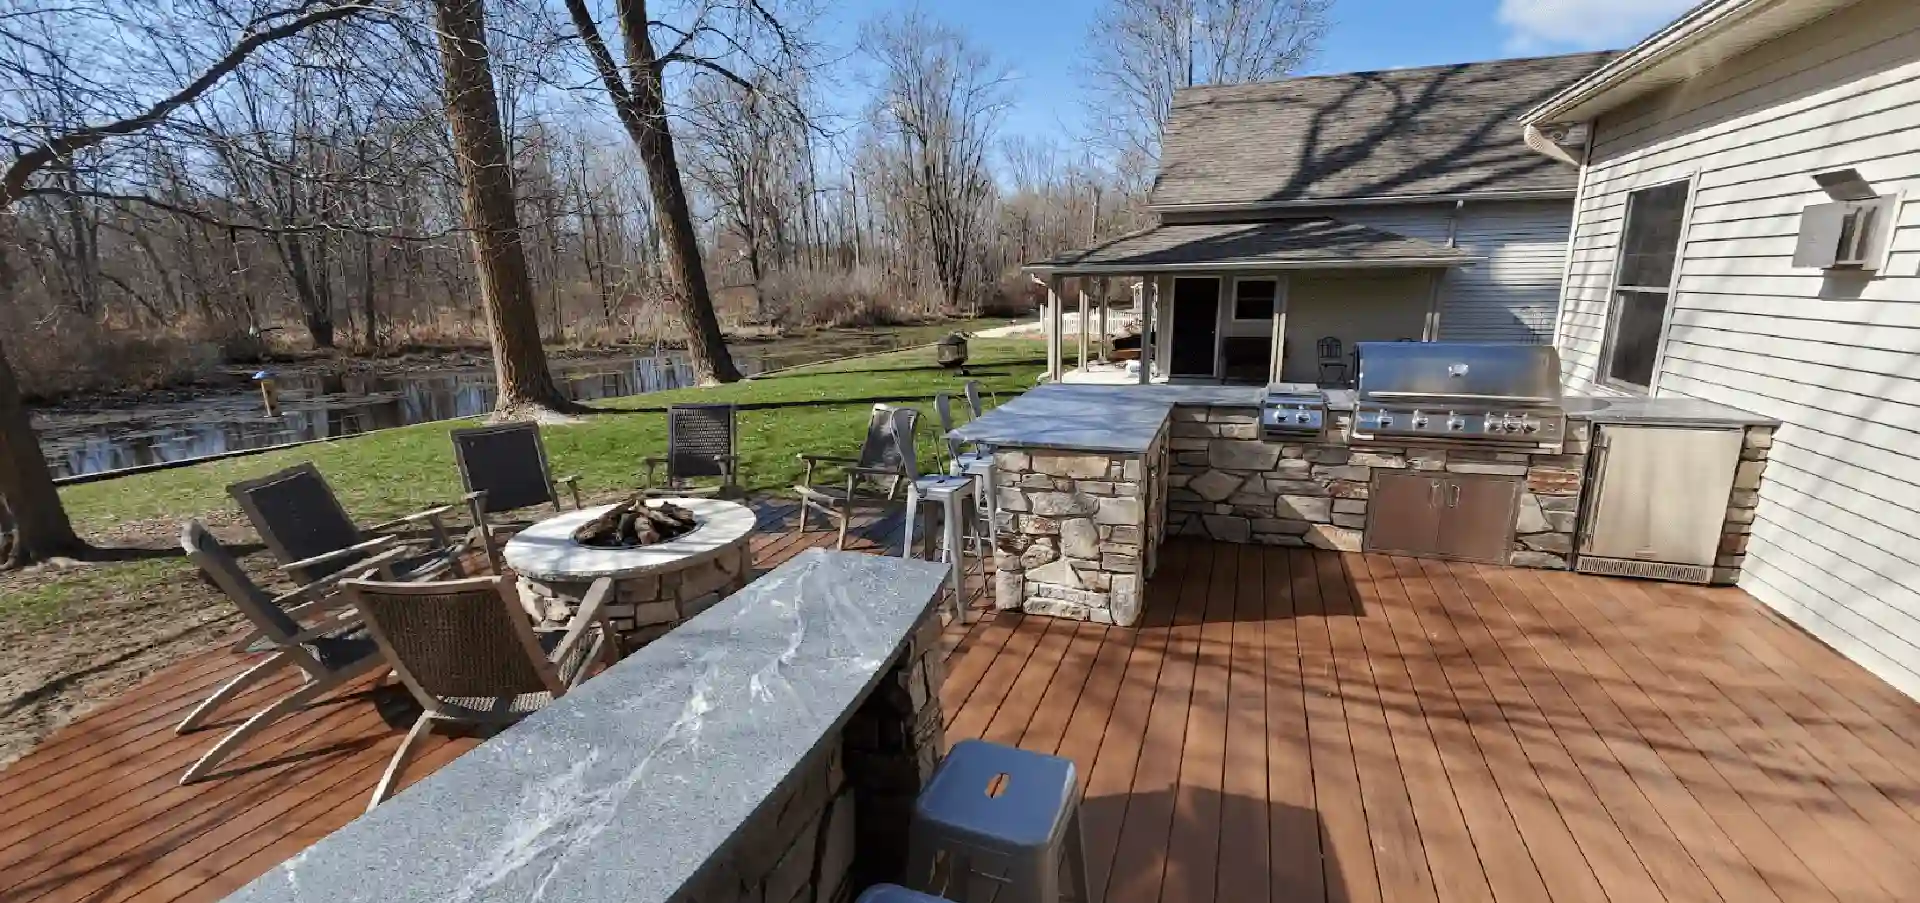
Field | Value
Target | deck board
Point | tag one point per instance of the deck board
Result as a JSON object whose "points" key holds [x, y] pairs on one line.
{"points": [[1285, 725]]}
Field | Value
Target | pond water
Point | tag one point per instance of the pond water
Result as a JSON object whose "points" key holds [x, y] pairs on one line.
{"points": [[78, 442]]}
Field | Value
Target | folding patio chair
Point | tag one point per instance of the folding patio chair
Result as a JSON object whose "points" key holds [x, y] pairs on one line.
{"points": [[504, 469], [305, 527], [702, 443], [873, 479], [332, 650], [468, 652]]}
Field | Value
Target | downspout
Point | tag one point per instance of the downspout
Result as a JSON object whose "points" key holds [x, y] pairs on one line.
{"points": [[1440, 276]]}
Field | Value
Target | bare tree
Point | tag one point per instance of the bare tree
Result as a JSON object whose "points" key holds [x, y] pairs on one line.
{"points": [[525, 385], [41, 526], [637, 90], [1139, 52], [939, 104]]}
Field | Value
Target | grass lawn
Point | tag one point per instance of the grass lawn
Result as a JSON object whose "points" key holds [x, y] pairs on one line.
{"points": [[820, 409]]}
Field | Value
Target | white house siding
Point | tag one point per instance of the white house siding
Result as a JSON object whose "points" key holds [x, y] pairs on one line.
{"points": [[1512, 296], [1836, 546]]}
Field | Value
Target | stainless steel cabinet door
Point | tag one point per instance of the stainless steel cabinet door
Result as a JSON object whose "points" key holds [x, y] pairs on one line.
{"points": [[1660, 494], [1403, 513], [1476, 517]]}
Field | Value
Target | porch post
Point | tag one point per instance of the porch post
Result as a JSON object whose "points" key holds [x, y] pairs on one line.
{"points": [[1149, 299], [1105, 302], [1085, 283], [1431, 332], [1054, 349], [1278, 359]]}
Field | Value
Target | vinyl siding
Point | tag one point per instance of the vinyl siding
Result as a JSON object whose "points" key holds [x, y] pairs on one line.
{"points": [[1513, 295], [1835, 358]]}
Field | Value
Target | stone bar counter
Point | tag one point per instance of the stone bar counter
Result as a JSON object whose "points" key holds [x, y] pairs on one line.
{"points": [[1092, 478], [768, 749]]}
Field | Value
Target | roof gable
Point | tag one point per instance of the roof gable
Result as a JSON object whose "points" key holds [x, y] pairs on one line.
{"points": [[1435, 131]]}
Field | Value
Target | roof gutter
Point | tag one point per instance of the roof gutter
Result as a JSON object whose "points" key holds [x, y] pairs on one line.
{"points": [[1703, 23], [1553, 194], [1248, 266]]}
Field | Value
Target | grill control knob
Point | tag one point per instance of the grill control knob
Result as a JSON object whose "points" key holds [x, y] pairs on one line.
{"points": [[1530, 426], [1386, 420], [1419, 419], [1303, 417], [1457, 424]]}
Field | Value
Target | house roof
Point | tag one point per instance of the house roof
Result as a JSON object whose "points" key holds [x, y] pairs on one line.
{"points": [[1435, 132], [1287, 244], [1709, 34]]}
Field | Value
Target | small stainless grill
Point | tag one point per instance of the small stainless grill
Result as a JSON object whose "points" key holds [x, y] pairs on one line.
{"points": [[1468, 392], [1293, 410]]}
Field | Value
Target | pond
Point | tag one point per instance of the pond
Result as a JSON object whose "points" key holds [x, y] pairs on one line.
{"points": [[79, 442]]}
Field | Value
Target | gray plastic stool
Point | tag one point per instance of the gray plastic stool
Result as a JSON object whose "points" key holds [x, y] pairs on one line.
{"points": [[999, 825], [893, 893]]}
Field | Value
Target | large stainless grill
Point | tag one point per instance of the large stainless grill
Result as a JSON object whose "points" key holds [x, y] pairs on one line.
{"points": [[1469, 392]]}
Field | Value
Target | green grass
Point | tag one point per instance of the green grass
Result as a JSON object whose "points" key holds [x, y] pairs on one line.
{"points": [[821, 409]]}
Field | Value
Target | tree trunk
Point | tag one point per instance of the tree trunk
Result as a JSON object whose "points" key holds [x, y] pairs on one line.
{"points": [[40, 527], [642, 108], [506, 289], [706, 347]]}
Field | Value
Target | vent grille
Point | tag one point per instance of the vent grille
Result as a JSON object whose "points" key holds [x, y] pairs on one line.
{"points": [[1651, 570]]}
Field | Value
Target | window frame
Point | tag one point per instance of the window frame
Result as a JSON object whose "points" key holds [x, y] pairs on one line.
{"points": [[1233, 301], [1614, 307]]}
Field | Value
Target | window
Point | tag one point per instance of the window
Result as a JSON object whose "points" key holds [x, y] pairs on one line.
{"points": [[1253, 299], [1643, 287]]}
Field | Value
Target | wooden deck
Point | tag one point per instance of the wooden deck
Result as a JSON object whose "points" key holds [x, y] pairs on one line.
{"points": [[1287, 726], [1299, 726]]}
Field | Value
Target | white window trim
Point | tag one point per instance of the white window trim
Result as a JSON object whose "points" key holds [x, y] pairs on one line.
{"points": [[1233, 302], [1604, 370]]}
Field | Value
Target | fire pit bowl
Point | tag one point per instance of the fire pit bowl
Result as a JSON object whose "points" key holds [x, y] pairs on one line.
{"points": [[656, 586]]}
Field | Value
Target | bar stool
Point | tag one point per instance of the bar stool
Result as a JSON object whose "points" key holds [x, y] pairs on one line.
{"points": [[999, 825], [952, 494], [894, 893], [977, 463]]}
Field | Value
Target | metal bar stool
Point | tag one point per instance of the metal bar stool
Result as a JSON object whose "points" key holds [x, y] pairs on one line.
{"points": [[977, 463], [953, 495], [999, 825]]}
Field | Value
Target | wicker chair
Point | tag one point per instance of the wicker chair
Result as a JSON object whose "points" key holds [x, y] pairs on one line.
{"points": [[332, 649], [702, 443], [504, 469], [874, 479], [305, 527], [468, 652]]}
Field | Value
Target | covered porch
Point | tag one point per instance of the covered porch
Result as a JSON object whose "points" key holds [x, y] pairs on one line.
{"points": [[1250, 302]]}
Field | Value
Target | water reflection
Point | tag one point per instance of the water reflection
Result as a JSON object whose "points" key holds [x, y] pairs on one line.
{"points": [[321, 407]]}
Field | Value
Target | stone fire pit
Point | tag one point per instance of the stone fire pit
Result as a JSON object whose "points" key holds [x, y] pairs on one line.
{"points": [[656, 586]]}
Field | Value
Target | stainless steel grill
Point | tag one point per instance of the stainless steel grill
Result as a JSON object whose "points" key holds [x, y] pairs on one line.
{"points": [[1293, 410], [1460, 391]]}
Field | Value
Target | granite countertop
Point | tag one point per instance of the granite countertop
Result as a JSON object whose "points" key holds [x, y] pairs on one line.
{"points": [[624, 788], [1659, 411], [1080, 417]]}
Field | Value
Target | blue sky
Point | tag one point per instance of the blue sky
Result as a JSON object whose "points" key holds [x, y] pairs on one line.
{"points": [[1039, 38]]}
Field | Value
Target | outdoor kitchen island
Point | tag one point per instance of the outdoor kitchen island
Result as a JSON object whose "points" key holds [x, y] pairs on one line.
{"points": [[1091, 479]]}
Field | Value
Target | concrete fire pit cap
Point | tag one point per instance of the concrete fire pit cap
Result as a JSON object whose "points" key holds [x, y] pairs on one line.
{"points": [[546, 550]]}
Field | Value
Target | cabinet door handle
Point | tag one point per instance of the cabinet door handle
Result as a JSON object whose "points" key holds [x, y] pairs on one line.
{"points": [[1434, 500], [1453, 497]]}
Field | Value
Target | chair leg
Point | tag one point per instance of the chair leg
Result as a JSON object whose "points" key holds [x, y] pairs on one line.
{"points": [[956, 556], [846, 516], [233, 687], [913, 511], [385, 788], [289, 704]]}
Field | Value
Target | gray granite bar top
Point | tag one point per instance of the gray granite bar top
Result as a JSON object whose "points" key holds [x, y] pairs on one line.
{"points": [[622, 789], [1659, 411], [1078, 417]]}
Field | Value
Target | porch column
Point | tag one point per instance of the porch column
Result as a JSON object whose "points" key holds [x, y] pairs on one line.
{"points": [[1085, 290], [1054, 349], [1431, 331], [1149, 299], [1105, 302], [1277, 359]]}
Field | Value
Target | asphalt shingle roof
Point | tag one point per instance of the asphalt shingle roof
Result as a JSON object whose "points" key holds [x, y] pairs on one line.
{"points": [[1440, 130], [1289, 243]]}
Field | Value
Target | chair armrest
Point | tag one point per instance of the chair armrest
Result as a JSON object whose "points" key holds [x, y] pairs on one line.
{"points": [[298, 597], [572, 482], [478, 495], [589, 614], [359, 548], [345, 619], [431, 515], [827, 459], [876, 471]]}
